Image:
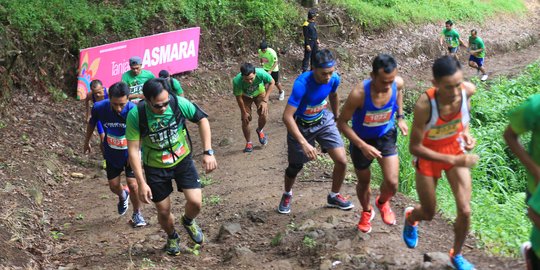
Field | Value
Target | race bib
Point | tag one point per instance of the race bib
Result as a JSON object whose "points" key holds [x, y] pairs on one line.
{"points": [[168, 158], [314, 110], [377, 118], [444, 131], [117, 142]]}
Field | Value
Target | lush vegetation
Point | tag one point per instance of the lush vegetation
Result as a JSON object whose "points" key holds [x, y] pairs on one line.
{"points": [[375, 14], [81, 20], [498, 202]]}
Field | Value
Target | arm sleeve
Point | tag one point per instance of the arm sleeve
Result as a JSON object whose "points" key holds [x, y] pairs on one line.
{"points": [[190, 110], [237, 90], [517, 117], [132, 125], [336, 83], [298, 92], [305, 31], [266, 78]]}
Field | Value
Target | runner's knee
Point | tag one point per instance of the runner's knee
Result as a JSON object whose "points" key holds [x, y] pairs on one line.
{"points": [[133, 187], [465, 212], [293, 169], [428, 213]]}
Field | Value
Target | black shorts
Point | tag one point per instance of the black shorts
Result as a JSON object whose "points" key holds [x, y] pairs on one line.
{"points": [[386, 144], [275, 76], [160, 179], [113, 172]]}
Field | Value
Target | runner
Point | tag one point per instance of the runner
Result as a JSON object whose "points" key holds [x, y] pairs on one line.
{"points": [[158, 127], [372, 105], [524, 119], [174, 83], [311, 40], [98, 94], [478, 52], [452, 39], [135, 78], [440, 140], [253, 85], [307, 121], [269, 61], [112, 114]]}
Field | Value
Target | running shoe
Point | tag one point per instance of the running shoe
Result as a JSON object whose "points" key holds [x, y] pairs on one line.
{"points": [[364, 225], [285, 204], [249, 147], [194, 231], [339, 201], [281, 95], [137, 220], [123, 205], [484, 77], [460, 263], [173, 246], [525, 252], [410, 232], [387, 214], [262, 138]]}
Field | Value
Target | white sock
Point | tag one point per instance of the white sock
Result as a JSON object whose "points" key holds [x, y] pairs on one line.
{"points": [[288, 193]]}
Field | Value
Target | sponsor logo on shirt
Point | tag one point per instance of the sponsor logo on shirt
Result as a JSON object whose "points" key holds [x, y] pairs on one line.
{"points": [[314, 110]]}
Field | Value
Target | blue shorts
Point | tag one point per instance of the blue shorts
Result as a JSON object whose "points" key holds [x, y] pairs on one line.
{"points": [[325, 132], [453, 49], [99, 127], [478, 61]]}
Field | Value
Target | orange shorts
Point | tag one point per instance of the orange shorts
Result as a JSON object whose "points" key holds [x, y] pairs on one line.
{"points": [[434, 168]]}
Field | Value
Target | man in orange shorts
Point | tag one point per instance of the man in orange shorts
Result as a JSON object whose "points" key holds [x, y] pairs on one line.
{"points": [[440, 140]]}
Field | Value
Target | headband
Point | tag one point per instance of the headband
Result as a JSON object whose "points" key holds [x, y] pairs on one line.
{"points": [[326, 64]]}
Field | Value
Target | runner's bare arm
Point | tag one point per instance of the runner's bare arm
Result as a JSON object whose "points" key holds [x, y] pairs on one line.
{"points": [[292, 128], [470, 142], [512, 140], [402, 124], [88, 108], [134, 157], [334, 103], [269, 89], [209, 162], [462, 43], [89, 130]]}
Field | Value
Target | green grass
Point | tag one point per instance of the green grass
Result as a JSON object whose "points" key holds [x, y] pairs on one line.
{"points": [[375, 14], [499, 180]]}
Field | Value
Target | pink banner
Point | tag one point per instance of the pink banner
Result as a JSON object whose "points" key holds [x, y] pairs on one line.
{"points": [[175, 51]]}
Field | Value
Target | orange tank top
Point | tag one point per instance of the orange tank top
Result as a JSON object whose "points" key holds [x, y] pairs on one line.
{"points": [[438, 131]]}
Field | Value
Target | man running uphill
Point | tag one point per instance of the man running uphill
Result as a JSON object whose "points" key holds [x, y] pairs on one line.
{"points": [[440, 140], [112, 114], [307, 121], [372, 105], [253, 85], [158, 126]]}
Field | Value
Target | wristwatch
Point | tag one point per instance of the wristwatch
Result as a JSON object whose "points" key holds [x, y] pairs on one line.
{"points": [[209, 152], [400, 116]]}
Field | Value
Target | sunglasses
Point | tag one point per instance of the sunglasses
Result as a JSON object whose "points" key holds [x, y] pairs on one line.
{"points": [[162, 105]]}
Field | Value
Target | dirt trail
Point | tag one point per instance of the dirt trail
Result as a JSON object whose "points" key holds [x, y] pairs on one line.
{"points": [[81, 213]]}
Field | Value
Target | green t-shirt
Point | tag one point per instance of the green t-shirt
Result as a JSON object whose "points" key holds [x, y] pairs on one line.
{"points": [[135, 83], [156, 147], [451, 37], [176, 87], [534, 203], [269, 58], [525, 118], [476, 44], [251, 90]]}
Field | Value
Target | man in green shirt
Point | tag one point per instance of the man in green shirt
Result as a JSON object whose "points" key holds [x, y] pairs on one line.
{"points": [[174, 83], [269, 62], [477, 49], [157, 126], [253, 85], [526, 118], [135, 78], [451, 37]]}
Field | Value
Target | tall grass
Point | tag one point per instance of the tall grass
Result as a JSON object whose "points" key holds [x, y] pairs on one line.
{"points": [[376, 14], [499, 180]]}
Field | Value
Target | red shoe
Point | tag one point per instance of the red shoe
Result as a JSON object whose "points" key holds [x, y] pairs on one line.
{"points": [[249, 148], [364, 225], [387, 214]]}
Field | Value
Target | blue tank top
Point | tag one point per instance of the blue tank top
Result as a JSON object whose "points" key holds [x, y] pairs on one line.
{"points": [[373, 122]]}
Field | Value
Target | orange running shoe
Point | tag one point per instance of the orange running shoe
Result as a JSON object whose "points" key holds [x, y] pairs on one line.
{"points": [[387, 214], [364, 225]]}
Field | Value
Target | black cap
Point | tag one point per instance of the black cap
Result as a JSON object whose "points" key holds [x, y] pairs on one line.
{"points": [[164, 74], [312, 13], [263, 45]]}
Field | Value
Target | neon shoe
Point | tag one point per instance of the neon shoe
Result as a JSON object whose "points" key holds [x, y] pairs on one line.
{"points": [[387, 214], [410, 232], [285, 204], [460, 263], [123, 205], [339, 201], [137, 220], [281, 95], [249, 147], [262, 138], [364, 225], [173, 246], [194, 231]]}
